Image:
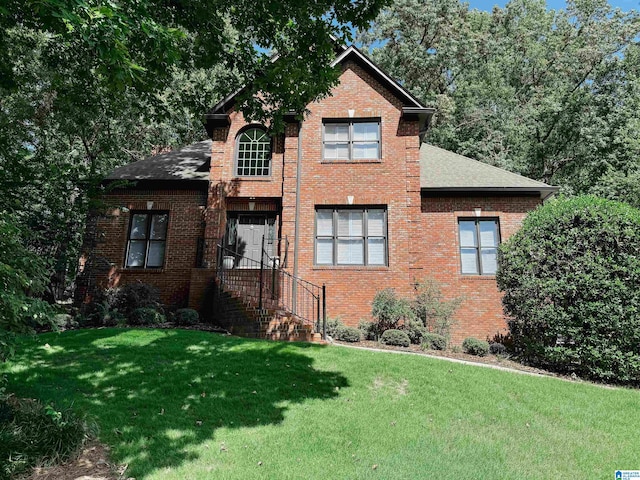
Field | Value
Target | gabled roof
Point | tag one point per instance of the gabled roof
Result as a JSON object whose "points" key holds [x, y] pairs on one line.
{"points": [[190, 163], [445, 171], [411, 106], [352, 53]]}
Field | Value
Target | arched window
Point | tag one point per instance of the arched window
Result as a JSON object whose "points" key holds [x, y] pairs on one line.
{"points": [[253, 153]]}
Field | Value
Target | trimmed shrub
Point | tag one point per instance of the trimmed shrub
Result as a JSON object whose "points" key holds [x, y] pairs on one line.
{"points": [[146, 316], [571, 283], [187, 316], [35, 434], [367, 329], [388, 309], [347, 334], [433, 341], [415, 330], [473, 346], [395, 337], [332, 326], [496, 348]]}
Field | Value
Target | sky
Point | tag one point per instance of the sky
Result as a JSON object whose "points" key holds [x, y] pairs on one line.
{"points": [[552, 4]]}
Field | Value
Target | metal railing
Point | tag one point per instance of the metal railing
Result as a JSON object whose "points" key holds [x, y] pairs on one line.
{"points": [[267, 284]]}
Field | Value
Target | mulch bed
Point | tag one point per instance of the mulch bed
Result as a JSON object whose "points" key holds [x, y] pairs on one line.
{"points": [[500, 361], [91, 464]]}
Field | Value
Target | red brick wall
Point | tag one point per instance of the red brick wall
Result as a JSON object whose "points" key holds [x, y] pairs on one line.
{"points": [[394, 182], [186, 209], [422, 232], [480, 314]]}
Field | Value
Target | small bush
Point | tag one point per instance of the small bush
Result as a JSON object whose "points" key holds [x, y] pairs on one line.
{"points": [[146, 316], [433, 341], [64, 321], [347, 334], [473, 346], [187, 316], [388, 310], [367, 329], [36, 434], [496, 348], [415, 330], [432, 310], [134, 296], [395, 337], [333, 324]]}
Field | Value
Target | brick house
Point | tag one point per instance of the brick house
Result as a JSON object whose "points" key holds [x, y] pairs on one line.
{"points": [[351, 198]]}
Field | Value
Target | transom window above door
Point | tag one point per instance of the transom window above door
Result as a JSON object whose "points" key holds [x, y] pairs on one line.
{"points": [[253, 153], [351, 140]]}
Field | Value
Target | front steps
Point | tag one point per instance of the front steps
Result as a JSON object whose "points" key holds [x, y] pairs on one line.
{"points": [[238, 312]]}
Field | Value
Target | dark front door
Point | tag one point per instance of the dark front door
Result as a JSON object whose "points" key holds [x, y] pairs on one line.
{"points": [[251, 229]]}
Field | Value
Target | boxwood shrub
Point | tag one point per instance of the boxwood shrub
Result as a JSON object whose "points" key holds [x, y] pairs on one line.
{"points": [[473, 346], [433, 341], [146, 316], [395, 337], [571, 283], [187, 316], [347, 334]]}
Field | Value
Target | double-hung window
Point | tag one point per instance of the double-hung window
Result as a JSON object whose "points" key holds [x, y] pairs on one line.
{"points": [[147, 240], [351, 236], [351, 140], [479, 240]]}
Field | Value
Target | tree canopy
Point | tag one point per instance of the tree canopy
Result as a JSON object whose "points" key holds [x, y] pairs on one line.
{"points": [[551, 94], [88, 85]]}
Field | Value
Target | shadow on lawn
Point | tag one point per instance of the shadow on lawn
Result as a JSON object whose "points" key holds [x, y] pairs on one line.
{"points": [[158, 394]]}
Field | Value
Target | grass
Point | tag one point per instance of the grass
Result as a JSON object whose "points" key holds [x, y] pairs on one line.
{"points": [[186, 404]]}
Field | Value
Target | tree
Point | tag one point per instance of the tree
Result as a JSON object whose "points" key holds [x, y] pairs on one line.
{"points": [[22, 276], [549, 94], [121, 43], [571, 283], [86, 86]]}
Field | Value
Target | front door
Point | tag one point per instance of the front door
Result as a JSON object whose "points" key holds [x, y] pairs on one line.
{"points": [[251, 229]]}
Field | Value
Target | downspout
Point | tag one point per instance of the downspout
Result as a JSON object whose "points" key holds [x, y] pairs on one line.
{"points": [[296, 236]]}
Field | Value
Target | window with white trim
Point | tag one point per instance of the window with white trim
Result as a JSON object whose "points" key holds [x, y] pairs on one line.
{"points": [[147, 240], [253, 153], [479, 240], [351, 236], [351, 140]]}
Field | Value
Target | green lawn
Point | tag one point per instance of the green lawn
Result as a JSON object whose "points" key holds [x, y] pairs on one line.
{"points": [[186, 404]]}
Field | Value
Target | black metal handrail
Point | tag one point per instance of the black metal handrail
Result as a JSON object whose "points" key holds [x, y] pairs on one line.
{"points": [[267, 283]]}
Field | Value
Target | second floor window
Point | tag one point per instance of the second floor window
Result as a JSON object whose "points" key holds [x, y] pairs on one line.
{"points": [[253, 153], [352, 140], [147, 240]]}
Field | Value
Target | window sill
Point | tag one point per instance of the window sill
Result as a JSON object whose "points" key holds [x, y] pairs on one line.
{"points": [[254, 179], [475, 278], [365, 268], [349, 161]]}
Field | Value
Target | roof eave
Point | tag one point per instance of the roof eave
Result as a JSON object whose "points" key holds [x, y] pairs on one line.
{"points": [[215, 120], [544, 192]]}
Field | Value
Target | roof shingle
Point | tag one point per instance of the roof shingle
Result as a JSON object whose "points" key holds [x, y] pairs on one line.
{"points": [[444, 170], [187, 163]]}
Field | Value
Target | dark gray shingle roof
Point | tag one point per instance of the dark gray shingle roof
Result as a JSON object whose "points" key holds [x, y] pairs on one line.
{"points": [[186, 163], [444, 170]]}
